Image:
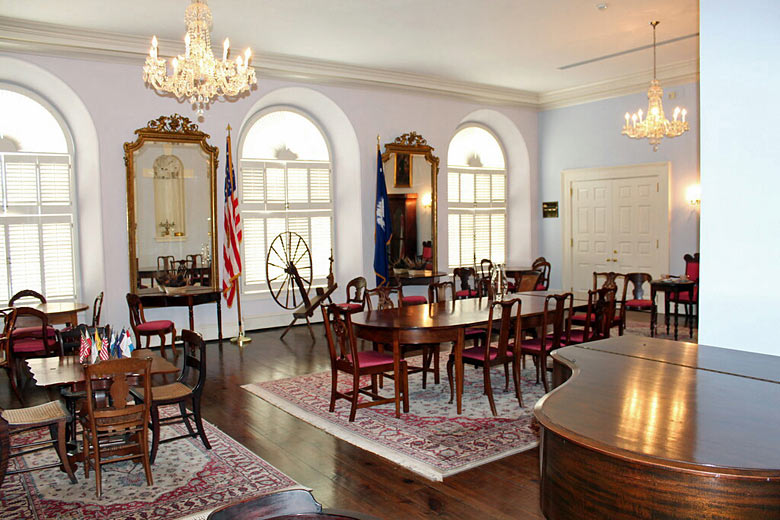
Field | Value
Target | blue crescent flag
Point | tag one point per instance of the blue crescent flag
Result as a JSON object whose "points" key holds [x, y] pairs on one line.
{"points": [[383, 225]]}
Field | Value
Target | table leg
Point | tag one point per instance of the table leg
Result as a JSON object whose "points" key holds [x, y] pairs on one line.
{"points": [[459, 370], [690, 318], [653, 312], [397, 373], [676, 311], [192, 313], [219, 318], [666, 310]]}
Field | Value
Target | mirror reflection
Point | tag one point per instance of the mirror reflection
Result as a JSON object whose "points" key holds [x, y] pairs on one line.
{"points": [[410, 174]]}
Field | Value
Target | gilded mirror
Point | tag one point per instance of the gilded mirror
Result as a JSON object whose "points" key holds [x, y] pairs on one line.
{"points": [[411, 170], [171, 206]]}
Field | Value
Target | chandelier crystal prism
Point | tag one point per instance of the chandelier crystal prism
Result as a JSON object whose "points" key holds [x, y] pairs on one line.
{"points": [[197, 75], [655, 126]]}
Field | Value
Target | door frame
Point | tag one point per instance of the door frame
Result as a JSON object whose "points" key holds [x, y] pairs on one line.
{"points": [[662, 170]]}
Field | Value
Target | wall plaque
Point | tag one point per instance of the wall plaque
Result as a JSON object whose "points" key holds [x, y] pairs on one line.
{"points": [[550, 209]]}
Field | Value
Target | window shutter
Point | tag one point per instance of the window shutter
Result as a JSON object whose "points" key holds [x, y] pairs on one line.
{"points": [[4, 293], [252, 182], [21, 183], [24, 247], [55, 180], [58, 260], [254, 249]]}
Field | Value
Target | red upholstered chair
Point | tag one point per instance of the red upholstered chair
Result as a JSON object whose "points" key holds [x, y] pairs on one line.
{"points": [[527, 281], [345, 357], [356, 295], [28, 327], [559, 318], [692, 273], [610, 280], [7, 361], [541, 264], [147, 329], [465, 281], [637, 302], [427, 254], [497, 353], [34, 342], [406, 300], [600, 317]]}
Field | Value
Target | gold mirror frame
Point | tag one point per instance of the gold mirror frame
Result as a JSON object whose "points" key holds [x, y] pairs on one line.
{"points": [[171, 129], [413, 144]]}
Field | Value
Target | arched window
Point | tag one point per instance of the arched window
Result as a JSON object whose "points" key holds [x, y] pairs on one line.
{"points": [[285, 185], [476, 198], [37, 242]]}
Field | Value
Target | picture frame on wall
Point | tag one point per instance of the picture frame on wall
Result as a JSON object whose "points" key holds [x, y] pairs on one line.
{"points": [[403, 171]]}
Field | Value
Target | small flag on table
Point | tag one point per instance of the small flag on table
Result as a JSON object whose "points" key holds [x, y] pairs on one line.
{"points": [[104, 352], [83, 349]]}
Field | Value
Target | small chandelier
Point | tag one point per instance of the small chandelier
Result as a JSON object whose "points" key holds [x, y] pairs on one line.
{"points": [[655, 126], [197, 74]]}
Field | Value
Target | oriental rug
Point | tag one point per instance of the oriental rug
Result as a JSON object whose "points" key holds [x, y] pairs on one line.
{"points": [[189, 482], [431, 440], [637, 328]]}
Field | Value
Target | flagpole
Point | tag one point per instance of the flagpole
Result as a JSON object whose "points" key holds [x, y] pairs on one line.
{"points": [[240, 339]]}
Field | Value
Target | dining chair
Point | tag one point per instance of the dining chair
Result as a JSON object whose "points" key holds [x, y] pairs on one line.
{"points": [[70, 337], [187, 389], [692, 273], [26, 293], [97, 307], [599, 317], [383, 295], [31, 341], [527, 281], [486, 268], [19, 423], [356, 295], [557, 317], [345, 357], [609, 280], [464, 279], [637, 302], [115, 428], [497, 353], [141, 327], [28, 327], [541, 264], [437, 291], [405, 300], [7, 361]]}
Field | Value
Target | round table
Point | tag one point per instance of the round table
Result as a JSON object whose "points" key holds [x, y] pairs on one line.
{"points": [[60, 312], [435, 323]]}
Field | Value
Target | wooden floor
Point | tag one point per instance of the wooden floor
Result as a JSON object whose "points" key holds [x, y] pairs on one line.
{"points": [[340, 475]]}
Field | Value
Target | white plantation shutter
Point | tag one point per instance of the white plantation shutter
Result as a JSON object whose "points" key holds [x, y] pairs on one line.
{"points": [[476, 210], [278, 196], [37, 245]]}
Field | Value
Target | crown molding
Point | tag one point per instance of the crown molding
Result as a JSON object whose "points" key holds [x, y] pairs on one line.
{"points": [[59, 40], [673, 74]]}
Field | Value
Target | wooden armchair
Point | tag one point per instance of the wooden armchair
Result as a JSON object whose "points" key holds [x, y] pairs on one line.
{"points": [[115, 427], [345, 357], [33, 340]]}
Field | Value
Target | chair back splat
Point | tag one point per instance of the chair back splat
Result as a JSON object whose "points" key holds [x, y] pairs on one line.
{"points": [[465, 282], [437, 291], [27, 293], [541, 264], [560, 320], [97, 307]]}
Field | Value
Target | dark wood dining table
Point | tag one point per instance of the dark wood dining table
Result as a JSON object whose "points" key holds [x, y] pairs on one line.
{"points": [[436, 323]]}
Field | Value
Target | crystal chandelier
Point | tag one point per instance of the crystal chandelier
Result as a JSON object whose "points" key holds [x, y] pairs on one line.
{"points": [[655, 126], [197, 74]]}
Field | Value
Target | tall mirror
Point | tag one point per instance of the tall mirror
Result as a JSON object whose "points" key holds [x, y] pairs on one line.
{"points": [[410, 172], [171, 206]]}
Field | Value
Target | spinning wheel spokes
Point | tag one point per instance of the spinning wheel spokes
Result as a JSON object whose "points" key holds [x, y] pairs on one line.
{"points": [[288, 269]]}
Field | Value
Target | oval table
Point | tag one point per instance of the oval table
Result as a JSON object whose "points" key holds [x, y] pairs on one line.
{"points": [[435, 323], [60, 312]]}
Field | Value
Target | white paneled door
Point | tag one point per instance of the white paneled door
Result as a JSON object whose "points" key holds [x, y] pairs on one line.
{"points": [[616, 220]]}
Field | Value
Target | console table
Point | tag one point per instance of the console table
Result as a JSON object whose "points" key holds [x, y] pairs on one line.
{"points": [[189, 297]]}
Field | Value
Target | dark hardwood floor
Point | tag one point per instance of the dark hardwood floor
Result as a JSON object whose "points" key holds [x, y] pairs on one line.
{"points": [[339, 474]]}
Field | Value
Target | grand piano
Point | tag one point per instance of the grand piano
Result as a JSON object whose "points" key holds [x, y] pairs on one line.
{"points": [[651, 428]]}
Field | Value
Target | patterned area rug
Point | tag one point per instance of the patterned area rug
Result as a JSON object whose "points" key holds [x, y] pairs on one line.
{"points": [[189, 482], [431, 440], [638, 328]]}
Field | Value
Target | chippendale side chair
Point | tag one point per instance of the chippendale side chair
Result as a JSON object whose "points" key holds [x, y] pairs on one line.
{"points": [[557, 317], [465, 280], [541, 264], [356, 295], [147, 329]]}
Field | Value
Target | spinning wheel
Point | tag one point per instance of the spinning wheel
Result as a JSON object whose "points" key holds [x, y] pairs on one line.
{"points": [[288, 272], [288, 269]]}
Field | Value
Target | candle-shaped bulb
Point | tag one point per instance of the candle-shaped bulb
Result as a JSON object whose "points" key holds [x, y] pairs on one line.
{"points": [[187, 44], [628, 117], [684, 113], [239, 62], [175, 65], [640, 114], [153, 52], [676, 112], [247, 55], [225, 48]]}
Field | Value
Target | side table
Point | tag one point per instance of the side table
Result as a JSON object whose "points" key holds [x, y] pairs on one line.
{"points": [[671, 286]]}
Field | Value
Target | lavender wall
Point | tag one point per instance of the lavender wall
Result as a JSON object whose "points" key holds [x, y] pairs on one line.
{"points": [[118, 102], [588, 135]]}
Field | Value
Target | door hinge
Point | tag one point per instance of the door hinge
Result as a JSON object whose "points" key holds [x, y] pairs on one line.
{"points": [[657, 187], [656, 244], [571, 191], [572, 242]]}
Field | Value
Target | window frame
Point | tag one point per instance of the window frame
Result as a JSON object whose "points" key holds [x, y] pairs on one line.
{"points": [[45, 217], [282, 209], [476, 208]]}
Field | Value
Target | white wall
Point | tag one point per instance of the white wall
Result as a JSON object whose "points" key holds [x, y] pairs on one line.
{"points": [[118, 102], [740, 154], [588, 135]]}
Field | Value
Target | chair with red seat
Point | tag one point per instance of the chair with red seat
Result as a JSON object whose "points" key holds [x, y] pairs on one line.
{"points": [[143, 328], [600, 317], [527, 281], [345, 357], [559, 318], [35, 341], [6, 357], [692, 273], [611, 280], [498, 353], [541, 264], [406, 300], [356, 295], [465, 281], [637, 302], [28, 327]]}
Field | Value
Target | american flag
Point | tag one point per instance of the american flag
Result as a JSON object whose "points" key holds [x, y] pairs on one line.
{"points": [[231, 253], [104, 354]]}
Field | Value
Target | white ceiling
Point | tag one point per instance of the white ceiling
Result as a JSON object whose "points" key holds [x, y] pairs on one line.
{"points": [[516, 44]]}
